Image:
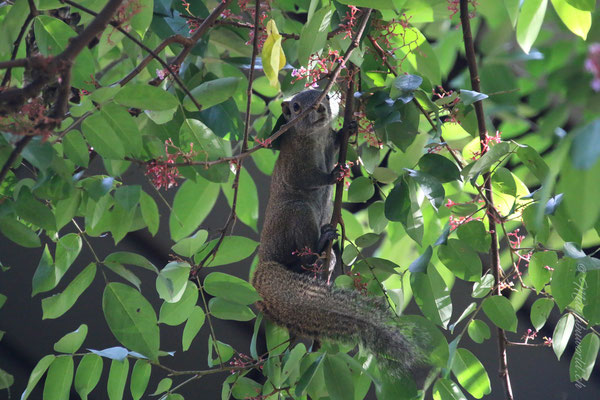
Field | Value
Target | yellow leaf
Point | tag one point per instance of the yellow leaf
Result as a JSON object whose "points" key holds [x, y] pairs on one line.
{"points": [[578, 21], [273, 57]]}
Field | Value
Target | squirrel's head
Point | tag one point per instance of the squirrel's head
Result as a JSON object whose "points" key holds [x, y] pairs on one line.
{"points": [[316, 118]]}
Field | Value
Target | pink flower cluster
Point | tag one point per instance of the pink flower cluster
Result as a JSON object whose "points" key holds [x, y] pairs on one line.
{"points": [[485, 144], [318, 66], [161, 172], [592, 64]]}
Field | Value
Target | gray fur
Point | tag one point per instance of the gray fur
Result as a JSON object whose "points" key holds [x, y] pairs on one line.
{"points": [[299, 205]]}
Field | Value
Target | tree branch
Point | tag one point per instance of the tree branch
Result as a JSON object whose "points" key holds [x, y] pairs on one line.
{"points": [[12, 99], [287, 126], [491, 211]]}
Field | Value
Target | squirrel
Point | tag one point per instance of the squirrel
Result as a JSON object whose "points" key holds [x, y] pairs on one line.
{"points": [[297, 217]]}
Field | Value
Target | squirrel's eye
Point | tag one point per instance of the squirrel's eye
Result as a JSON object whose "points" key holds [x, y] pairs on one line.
{"points": [[296, 107]]}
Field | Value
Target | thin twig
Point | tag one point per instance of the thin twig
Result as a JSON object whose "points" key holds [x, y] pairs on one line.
{"points": [[162, 62], [33, 12], [14, 155], [336, 215], [236, 181], [494, 253]]}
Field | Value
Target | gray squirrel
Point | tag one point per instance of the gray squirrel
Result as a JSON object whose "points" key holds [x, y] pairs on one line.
{"points": [[297, 218]]}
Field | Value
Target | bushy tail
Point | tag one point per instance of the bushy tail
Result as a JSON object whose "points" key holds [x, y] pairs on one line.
{"points": [[310, 308]]}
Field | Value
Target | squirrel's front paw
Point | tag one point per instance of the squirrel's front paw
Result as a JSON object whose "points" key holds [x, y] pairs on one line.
{"points": [[328, 232], [340, 172]]}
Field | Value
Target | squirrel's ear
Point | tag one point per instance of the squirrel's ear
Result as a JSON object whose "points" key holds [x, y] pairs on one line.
{"points": [[285, 108]]}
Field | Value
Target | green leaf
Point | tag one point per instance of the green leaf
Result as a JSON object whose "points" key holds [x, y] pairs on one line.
{"points": [[149, 212], [579, 22], [45, 276], [581, 194], [273, 58], [367, 240], [361, 189], [225, 350], [76, 149], [308, 375], [232, 249], [72, 341], [176, 313], [432, 296], [131, 319], [470, 373], [469, 97], [584, 359], [529, 22], [146, 97], [6, 379], [52, 37], [478, 332], [562, 334], [461, 260], [117, 377], [211, 93], [191, 245], [192, 327], [431, 187], [377, 220], [384, 175], [338, 379], [224, 309], [128, 196], [533, 161], [140, 376], [501, 312], [230, 288], [563, 282], [474, 234], [422, 262], [247, 199], [55, 306], [483, 286], [193, 201], [59, 378], [503, 181], [19, 232], [292, 364], [314, 34], [37, 373], [163, 386], [39, 153], [439, 167], [172, 281], [484, 163], [245, 388], [404, 87], [585, 5], [140, 20], [445, 389], [88, 374], [31, 210], [397, 203], [538, 268], [540, 310], [126, 257], [124, 126], [101, 136], [124, 273], [67, 250]]}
